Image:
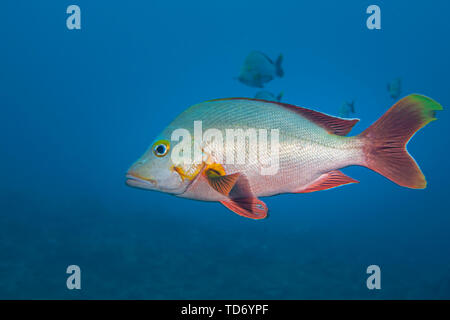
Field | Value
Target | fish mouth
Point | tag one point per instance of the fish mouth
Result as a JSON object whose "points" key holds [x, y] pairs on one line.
{"points": [[139, 182]]}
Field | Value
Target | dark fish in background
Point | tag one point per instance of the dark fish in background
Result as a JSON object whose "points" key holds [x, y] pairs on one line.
{"points": [[269, 96], [259, 69], [346, 109], [395, 88]]}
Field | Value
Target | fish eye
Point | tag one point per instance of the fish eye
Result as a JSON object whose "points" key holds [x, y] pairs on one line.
{"points": [[161, 148]]}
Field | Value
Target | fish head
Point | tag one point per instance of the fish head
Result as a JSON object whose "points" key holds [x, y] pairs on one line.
{"points": [[156, 170]]}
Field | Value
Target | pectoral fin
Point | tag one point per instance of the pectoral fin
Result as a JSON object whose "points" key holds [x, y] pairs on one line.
{"points": [[243, 202], [219, 182], [237, 188], [223, 184]]}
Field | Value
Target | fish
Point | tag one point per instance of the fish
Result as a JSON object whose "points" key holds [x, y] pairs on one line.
{"points": [[312, 148], [269, 96], [395, 88], [346, 108], [259, 69]]}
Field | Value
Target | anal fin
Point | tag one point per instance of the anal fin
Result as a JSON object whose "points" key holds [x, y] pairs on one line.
{"points": [[326, 181]]}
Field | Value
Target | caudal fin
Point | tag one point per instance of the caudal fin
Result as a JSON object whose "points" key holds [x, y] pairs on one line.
{"points": [[278, 70], [385, 141], [279, 96]]}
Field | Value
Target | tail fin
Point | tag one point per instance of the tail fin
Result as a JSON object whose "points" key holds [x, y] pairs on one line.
{"points": [[386, 140], [279, 71], [279, 96]]}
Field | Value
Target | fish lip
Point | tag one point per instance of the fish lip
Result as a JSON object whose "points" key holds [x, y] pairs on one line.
{"points": [[139, 182], [146, 183]]}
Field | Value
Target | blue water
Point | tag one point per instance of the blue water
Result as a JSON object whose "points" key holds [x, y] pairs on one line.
{"points": [[79, 106]]}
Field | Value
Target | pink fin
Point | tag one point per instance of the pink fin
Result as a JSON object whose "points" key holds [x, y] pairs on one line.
{"points": [[386, 139], [243, 202], [223, 184], [328, 180], [252, 208], [334, 125]]}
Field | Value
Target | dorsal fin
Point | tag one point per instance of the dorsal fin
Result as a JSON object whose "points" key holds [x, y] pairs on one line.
{"points": [[334, 125]]}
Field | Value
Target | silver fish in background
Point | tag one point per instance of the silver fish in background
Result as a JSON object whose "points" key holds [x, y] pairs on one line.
{"points": [[346, 109], [268, 96], [259, 69], [395, 88]]}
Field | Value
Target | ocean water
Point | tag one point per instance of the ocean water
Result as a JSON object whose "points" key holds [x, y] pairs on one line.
{"points": [[78, 107]]}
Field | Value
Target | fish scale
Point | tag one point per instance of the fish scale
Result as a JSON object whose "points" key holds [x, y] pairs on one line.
{"points": [[306, 149]]}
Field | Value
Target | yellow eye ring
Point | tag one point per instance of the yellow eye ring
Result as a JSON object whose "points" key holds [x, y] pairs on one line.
{"points": [[160, 148]]}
